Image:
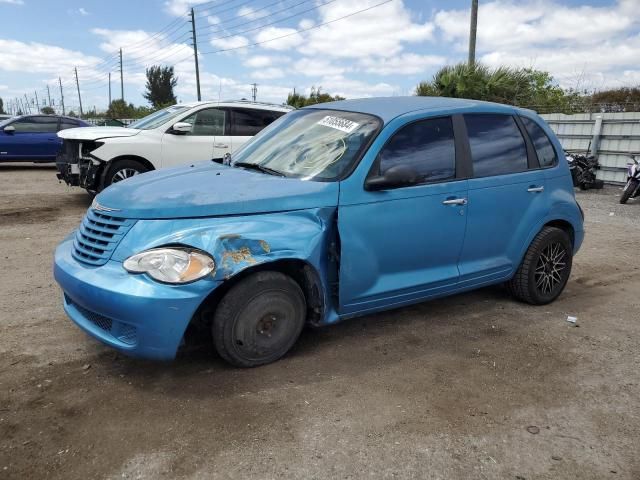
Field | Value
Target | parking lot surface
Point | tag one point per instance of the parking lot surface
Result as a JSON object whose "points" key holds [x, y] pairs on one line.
{"points": [[472, 386]]}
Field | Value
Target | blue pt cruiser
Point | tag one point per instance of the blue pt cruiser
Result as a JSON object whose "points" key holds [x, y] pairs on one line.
{"points": [[333, 211]]}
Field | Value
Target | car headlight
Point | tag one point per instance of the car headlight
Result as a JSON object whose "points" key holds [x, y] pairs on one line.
{"points": [[171, 265]]}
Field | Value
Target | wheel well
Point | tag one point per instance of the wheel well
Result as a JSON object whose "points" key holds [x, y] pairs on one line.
{"points": [[299, 270], [563, 225], [142, 160]]}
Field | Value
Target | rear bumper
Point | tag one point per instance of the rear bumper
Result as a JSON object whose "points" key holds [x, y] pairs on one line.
{"points": [[131, 313]]}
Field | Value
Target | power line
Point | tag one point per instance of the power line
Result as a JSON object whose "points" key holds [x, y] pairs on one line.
{"points": [[299, 30], [274, 22]]}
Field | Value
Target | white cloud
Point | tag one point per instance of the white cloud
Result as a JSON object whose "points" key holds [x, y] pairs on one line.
{"points": [[83, 12], [233, 42], [13, 2], [317, 67], [180, 7], [34, 57], [249, 12], [381, 31], [213, 20], [277, 38], [267, 73], [259, 61], [404, 64], [547, 35]]}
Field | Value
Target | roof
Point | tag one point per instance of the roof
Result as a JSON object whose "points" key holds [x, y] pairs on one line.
{"points": [[243, 103], [388, 108]]}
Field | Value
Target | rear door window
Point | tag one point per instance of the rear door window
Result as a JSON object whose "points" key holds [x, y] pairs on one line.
{"points": [[497, 146], [65, 123], [36, 125], [426, 146], [247, 122], [543, 146]]}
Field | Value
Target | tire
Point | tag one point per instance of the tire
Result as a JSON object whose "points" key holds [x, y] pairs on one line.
{"points": [[630, 187], [259, 319], [545, 269], [121, 170]]}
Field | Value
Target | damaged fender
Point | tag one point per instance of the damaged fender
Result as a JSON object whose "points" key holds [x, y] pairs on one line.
{"points": [[237, 243]]}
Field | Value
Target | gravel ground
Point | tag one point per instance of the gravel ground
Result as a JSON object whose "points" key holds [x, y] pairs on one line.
{"points": [[472, 386]]}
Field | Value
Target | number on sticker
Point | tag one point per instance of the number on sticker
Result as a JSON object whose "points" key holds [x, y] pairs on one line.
{"points": [[338, 123]]}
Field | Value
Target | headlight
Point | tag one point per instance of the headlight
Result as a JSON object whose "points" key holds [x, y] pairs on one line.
{"points": [[171, 265]]}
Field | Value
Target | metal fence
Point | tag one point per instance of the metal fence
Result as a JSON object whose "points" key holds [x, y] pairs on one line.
{"points": [[609, 136]]}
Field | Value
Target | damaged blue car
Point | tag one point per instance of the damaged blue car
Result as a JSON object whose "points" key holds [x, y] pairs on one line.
{"points": [[333, 211]]}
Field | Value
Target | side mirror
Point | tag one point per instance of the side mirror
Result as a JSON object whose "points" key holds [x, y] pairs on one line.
{"points": [[396, 176], [181, 127], [9, 129]]}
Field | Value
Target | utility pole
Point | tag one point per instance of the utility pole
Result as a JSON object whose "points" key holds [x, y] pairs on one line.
{"points": [[109, 89], [121, 78], [195, 51], [48, 94], [37, 103], [78, 87], [61, 96], [254, 91], [26, 100], [473, 30]]}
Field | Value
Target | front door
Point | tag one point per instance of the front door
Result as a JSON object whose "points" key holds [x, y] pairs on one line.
{"points": [[199, 143], [34, 138], [506, 198], [403, 244]]}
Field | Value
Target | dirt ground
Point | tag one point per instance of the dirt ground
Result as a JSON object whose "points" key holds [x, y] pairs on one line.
{"points": [[472, 386]]}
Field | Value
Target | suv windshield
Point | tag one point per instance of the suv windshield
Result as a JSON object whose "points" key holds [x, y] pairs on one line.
{"points": [[311, 144], [158, 118]]}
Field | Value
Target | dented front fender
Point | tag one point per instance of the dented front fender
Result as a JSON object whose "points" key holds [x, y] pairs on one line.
{"points": [[240, 242]]}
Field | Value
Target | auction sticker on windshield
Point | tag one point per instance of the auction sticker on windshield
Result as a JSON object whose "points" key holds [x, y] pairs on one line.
{"points": [[339, 123]]}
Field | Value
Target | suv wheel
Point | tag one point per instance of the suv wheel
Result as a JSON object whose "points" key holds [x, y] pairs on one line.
{"points": [[545, 269], [259, 319], [122, 170]]}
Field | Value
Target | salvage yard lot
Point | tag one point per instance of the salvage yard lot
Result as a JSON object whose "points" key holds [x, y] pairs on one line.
{"points": [[472, 386]]}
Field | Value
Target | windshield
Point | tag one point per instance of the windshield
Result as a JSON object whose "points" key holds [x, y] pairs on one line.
{"points": [[310, 144], [158, 118]]}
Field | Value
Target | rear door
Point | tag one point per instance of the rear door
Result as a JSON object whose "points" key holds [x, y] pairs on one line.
{"points": [[247, 122], [198, 144], [506, 197]]}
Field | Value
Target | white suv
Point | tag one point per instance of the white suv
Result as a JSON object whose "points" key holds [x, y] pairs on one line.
{"points": [[95, 157]]}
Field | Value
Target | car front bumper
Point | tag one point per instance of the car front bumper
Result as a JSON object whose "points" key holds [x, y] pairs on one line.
{"points": [[131, 313]]}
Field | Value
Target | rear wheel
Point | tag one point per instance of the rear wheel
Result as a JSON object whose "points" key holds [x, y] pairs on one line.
{"points": [[545, 269], [122, 170], [259, 319], [629, 188]]}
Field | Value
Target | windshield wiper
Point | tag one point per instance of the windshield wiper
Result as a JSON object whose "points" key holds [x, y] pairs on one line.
{"points": [[260, 168]]}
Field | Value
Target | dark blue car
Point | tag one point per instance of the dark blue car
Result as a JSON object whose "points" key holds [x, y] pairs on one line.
{"points": [[32, 138]]}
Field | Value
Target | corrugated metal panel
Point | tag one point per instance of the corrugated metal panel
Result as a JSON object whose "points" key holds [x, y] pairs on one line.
{"points": [[620, 136]]}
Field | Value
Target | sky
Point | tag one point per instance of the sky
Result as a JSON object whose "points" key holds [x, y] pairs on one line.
{"points": [[354, 48]]}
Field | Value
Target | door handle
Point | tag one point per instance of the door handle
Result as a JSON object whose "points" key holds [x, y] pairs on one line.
{"points": [[221, 145], [534, 189], [455, 201]]}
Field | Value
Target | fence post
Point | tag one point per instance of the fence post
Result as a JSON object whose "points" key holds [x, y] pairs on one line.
{"points": [[595, 136]]}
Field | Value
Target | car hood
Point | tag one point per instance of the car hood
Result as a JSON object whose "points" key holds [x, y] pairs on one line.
{"points": [[208, 189], [96, 133]]}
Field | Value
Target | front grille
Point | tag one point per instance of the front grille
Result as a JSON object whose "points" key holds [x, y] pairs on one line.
{"points": [[121, 331], [98, 236]]}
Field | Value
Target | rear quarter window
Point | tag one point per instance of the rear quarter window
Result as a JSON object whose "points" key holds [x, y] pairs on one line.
{"points": [[541, 142]]}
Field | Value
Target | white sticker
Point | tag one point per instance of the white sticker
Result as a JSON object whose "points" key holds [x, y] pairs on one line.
{"points": [[338, 123]]}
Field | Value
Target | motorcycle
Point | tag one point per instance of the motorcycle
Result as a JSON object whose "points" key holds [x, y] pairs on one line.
{"points": [[632, 188], [583, 171]]}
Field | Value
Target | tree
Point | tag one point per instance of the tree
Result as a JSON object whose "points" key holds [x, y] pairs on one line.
{"points": [[1, 105], [120, 109], [522, 87], [47, 111], [623, 99], [298, 100], [160, 85]]}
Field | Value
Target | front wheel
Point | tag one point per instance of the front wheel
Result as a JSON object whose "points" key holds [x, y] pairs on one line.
{"points": [[629, 188], [545, 269], [259, 319], [122, 170]]}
